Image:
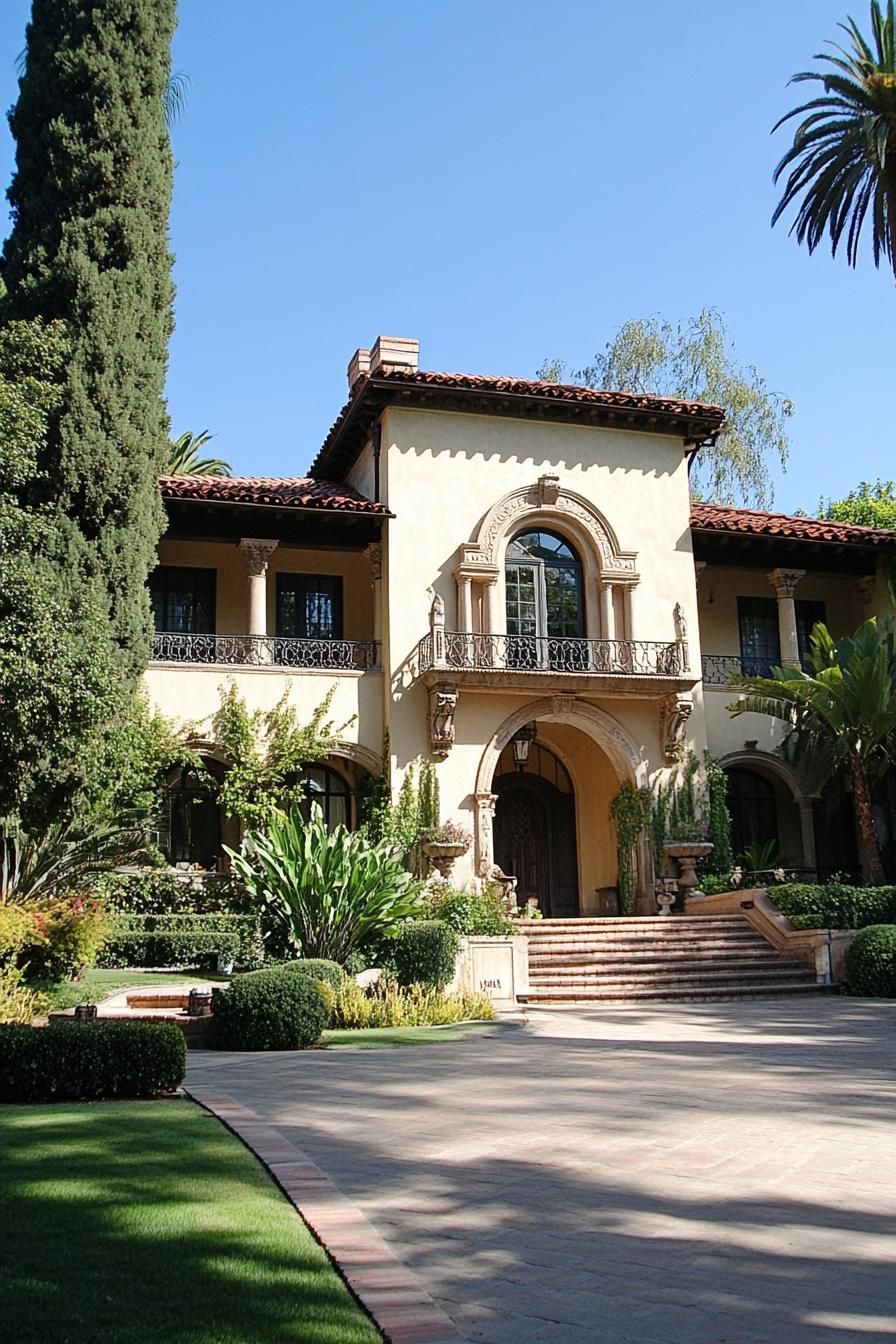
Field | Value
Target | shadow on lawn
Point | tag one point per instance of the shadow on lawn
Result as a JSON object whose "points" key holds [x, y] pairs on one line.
{"points": [[148, 1222]]}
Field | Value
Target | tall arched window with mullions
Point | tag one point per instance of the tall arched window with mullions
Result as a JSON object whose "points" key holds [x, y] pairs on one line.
{"points": [[327, 787], [543, 581], [194, 816]]}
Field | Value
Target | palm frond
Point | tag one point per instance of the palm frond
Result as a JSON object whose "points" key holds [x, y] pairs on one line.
{"points": [[184, 459]]}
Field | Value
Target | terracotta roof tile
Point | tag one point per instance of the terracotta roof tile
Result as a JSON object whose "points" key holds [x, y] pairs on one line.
{"points": [[751, 522], [295, 492]]}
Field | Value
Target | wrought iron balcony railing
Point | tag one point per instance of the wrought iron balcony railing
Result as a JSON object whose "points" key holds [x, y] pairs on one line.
{"points": [[454, 651], [719, 668], [329, 655]]}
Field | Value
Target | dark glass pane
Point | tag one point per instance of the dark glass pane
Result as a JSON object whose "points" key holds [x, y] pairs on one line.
{"points": [[541, 546], [329, 790], [754, 811], [183, 600], [563, 601], [808, 614], [309, 606], [760, 646]]}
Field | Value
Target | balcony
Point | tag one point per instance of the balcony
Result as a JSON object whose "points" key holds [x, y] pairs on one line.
{"points": [[305, 655], [719, 668], [523, 660]]}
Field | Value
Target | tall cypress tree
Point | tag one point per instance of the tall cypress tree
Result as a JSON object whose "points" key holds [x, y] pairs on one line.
{"points": [[89, 247]]}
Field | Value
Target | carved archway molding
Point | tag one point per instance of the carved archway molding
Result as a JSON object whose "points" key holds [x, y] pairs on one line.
{"points": [[750, 759], [550, 503], [600, 726], [368, 760]]}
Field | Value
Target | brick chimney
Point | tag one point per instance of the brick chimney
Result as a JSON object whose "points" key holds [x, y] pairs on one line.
{"points": [[358, 367], [394, 352]]}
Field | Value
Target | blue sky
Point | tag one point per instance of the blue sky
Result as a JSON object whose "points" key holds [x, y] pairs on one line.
{"points": [[506, 181]]}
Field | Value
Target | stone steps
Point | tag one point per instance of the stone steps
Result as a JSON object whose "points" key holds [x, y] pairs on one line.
{"points": [[677, 957]]}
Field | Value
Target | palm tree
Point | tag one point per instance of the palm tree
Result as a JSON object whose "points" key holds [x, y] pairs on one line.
{"points": [[842, 163], [842, 712], [184, 459]]}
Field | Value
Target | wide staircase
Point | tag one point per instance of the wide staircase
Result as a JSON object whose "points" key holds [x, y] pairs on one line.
{"points": [[678, 957]]}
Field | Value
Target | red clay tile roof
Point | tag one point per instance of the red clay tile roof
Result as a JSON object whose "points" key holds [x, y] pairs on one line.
{"points": [[291, 492], [750, 522], [691, 420]]}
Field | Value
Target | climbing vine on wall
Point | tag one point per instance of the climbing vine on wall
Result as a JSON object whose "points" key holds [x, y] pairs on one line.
{"points": [[631, 812], [718, 817]]}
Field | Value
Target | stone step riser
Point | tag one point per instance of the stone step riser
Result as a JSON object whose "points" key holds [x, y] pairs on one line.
{"points": [[672, 983], [638, 956], [793, 968], [679, 996], [646, 949]]}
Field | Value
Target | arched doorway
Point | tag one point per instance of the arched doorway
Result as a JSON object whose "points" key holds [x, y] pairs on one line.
{"points": [[535, 831]]}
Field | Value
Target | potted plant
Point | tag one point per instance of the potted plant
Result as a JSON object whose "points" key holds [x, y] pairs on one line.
{"points": [[443, 844]]}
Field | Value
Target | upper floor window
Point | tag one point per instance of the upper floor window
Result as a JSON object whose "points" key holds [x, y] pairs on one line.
{"points": [[309, 606], [183, 600], [544, 587], [760, 640]]}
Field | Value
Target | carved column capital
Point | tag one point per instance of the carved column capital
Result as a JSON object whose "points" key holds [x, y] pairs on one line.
{"points": [[784, 581], [256, 552]]}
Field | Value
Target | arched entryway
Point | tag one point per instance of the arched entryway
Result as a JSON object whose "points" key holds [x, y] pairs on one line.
{"points": [[535, 830]]}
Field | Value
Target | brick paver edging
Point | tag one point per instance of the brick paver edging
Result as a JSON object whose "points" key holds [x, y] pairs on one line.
{"points": [[388, 1291]]}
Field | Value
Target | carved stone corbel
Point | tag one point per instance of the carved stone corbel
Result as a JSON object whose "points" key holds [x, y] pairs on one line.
{"points": [[442, 705], [675, 710]]}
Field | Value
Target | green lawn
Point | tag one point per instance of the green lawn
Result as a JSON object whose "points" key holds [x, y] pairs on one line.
{"points": [[148, 1223], [96, 985], [385, 1038]]}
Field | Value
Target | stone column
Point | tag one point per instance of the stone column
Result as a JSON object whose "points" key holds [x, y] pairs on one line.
{"points": [[807, 831], [607, 611], [491, 607], [784, 582], [485, 815], [256, 554], [465, 604], [628, 595]]}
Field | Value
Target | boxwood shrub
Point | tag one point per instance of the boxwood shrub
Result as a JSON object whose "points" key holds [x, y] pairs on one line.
{"points": [[871, 962], [318, 968], [269, 1010], [833, 905], [423, 952], [90, 1061], [183, 940]]}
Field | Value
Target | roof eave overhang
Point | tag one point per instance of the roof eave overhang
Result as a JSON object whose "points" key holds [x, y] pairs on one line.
{"points": [[350, 433]]}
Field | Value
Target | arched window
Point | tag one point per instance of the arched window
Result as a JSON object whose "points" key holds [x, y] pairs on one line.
{"points": [[330, 790], [754, 811], [545, 617], [194, 817]]}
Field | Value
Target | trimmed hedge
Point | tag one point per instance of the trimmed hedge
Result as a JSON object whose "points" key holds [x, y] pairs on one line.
{"points": [[90, 1061], [318, 968], [168, 891], [833, 905], [871, 962], [183, 940], [269, 1010], [424, 952]]}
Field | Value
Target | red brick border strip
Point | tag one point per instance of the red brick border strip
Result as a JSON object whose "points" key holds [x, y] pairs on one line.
{"points": [[389, 1292]]}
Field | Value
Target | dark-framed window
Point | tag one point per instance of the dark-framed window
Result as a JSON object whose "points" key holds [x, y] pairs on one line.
{"points": [[331, 791], [760, 641], [182, 600], [543, 578], [309, 606], [754, 811], [194, 817]]}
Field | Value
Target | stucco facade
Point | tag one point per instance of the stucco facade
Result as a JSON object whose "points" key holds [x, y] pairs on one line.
{"points": [[421, 602]]}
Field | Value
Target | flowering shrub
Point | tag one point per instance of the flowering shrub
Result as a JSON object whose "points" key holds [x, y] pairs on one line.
{"points": [[17, 930], [448, 833], [69, 933]]}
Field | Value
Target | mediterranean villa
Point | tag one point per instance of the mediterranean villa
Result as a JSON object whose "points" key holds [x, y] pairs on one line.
{"points": [[511, 579]]}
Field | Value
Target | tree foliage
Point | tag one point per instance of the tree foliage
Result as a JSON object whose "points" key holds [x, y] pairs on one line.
{"points": [[184, 457], [841, 167], [866, 506], [694, 360], [89, 248]]}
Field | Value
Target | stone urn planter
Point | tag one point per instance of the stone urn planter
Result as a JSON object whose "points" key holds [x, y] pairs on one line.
{"points": [[442, 854], [686, 854]]}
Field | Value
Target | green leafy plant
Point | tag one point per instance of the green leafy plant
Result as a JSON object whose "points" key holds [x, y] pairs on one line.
{"points": [[19, 1003], [62, 860], [762, 858], [834, 905], [269, 1010], [446, 833], [266, 751], [423, 952], [871, 962], [183, 940], [721, 860], [630, 812], [469, 912], [17, 929], [330, 891], [387, 1005], [70, 933], [161, 891], [184, 457], [73, 1061]]}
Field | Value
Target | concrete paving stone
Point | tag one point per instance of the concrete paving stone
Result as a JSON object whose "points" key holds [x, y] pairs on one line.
{"points": [[669, 1174]]}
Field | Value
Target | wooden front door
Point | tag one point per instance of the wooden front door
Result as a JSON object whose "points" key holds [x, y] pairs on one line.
{"points": [[535, 842]]}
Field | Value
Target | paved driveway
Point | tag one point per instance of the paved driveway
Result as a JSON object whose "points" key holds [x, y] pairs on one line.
{"points": [[669, 1175]]}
